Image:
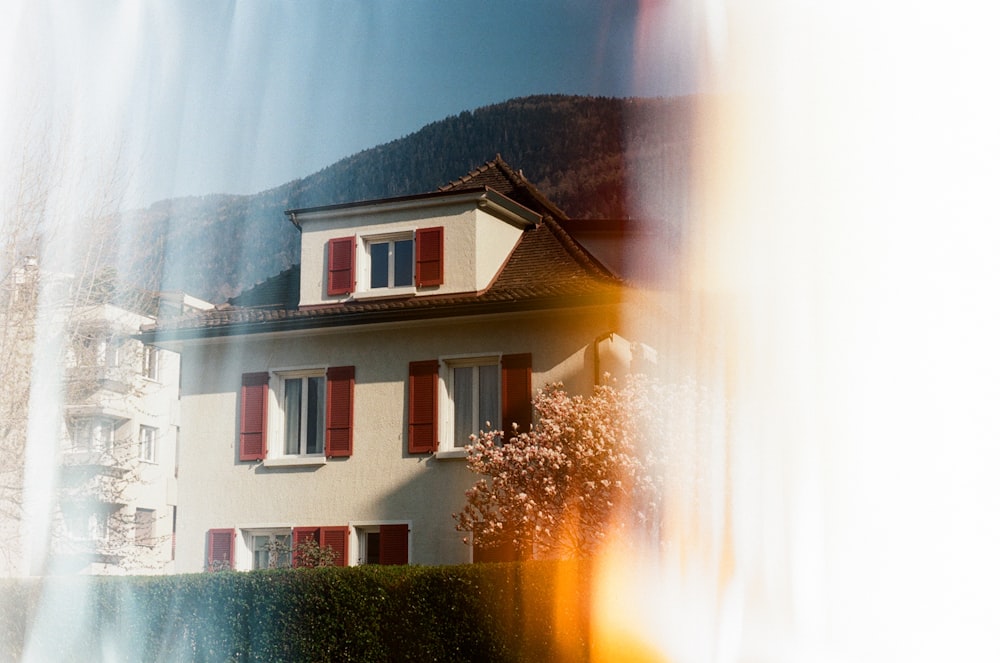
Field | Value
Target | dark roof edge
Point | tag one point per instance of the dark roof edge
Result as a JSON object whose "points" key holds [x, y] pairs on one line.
{"points": [[491, 195], [360, 318]]}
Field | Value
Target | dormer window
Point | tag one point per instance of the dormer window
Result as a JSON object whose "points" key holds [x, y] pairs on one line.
{"points": [[385, 262], [390, 262]]}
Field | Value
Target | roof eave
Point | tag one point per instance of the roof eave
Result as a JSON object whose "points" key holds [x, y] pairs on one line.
{"points": [[605, 297], [482, 196]]}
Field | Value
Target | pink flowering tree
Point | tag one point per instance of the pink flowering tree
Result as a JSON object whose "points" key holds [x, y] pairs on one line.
{"points": [[587, 467]]}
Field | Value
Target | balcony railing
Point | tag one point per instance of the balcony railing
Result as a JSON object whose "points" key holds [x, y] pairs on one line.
{"points": [[83, 381]]}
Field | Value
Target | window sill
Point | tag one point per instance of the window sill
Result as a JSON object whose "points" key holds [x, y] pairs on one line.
{"points": [[379, 293], [302, 461], [452, 454]]}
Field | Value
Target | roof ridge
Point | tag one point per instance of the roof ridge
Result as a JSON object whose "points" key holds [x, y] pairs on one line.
{"points": [[515, 177], [468, 176]]}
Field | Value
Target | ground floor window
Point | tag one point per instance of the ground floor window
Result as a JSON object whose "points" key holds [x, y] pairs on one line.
{"points": [[332, 545], [382, 543], [368, 544], [270, 549]]}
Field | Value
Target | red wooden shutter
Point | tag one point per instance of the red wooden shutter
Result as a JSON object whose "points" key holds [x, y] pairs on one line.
{"points": [[335, 538], [340, 411], [423, 406], [220, 549], [516, 393], [430, 256], [253, 416], [299, 536], [340, 266], [394, 544]]}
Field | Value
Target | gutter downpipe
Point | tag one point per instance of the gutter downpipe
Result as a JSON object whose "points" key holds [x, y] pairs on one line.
{"points": [[597, 355]]}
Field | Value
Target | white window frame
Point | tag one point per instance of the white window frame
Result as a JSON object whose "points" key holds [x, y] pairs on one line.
{"points": [[364, 261], [276, 424], [88, 525], [448, 445], [151, 362], [148, 444], [85, 428], [246, 555]]}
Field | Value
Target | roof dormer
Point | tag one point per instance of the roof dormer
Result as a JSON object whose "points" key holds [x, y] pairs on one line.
{"points": [[438, 243]]}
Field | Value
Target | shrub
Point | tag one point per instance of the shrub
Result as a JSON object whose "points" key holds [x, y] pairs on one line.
{"points": [[482, 613]]}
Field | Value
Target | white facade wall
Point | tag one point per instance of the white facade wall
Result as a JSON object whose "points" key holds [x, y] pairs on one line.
{"points": [[380, 482]]}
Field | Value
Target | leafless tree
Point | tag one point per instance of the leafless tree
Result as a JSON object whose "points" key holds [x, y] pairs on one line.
{"points": [[66, 319]]}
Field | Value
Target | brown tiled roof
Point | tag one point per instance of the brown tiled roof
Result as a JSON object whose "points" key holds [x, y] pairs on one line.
{"points": [[500, 177], [546, 270]]}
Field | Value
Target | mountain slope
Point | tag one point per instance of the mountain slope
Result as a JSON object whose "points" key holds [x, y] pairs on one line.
{"points": [[578, 150]]}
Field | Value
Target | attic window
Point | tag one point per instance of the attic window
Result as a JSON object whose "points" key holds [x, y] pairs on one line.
{"points": [[385, 264], [391, 262]]}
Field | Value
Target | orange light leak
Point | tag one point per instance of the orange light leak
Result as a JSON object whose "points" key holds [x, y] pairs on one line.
{"points": [[841, 280]]}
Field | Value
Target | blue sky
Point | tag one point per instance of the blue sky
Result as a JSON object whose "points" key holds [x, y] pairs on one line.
{"points": [[237, 97]]}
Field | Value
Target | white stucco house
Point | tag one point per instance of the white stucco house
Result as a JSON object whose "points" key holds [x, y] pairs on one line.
{"points": [[333, 401]]}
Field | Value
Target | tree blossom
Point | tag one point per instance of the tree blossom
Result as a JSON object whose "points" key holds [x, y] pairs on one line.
{"points": [[588, 467]]}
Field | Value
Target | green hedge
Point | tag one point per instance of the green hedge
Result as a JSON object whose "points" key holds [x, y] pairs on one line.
{"points": [[481, 613]]}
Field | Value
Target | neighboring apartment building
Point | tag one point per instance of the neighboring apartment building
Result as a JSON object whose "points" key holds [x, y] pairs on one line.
{"points": [[118, 486], [333, 401], [112, 465]]}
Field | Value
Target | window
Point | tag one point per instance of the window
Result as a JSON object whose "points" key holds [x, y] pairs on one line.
{"points": [[147, 443], [144, 527], [109, 351], [151, 362], [476, 390], [473, 387], [390, 263], [383, 544], [302, 405], [96, 434], [99, 524], [270, 549], [320, 546], [400, 260], [98, 348], [315, 414], [275, 547], [87, 526], [369, 545]]}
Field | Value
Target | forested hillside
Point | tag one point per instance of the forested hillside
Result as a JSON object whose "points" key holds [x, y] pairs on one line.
{"points": [[578, 150]]}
